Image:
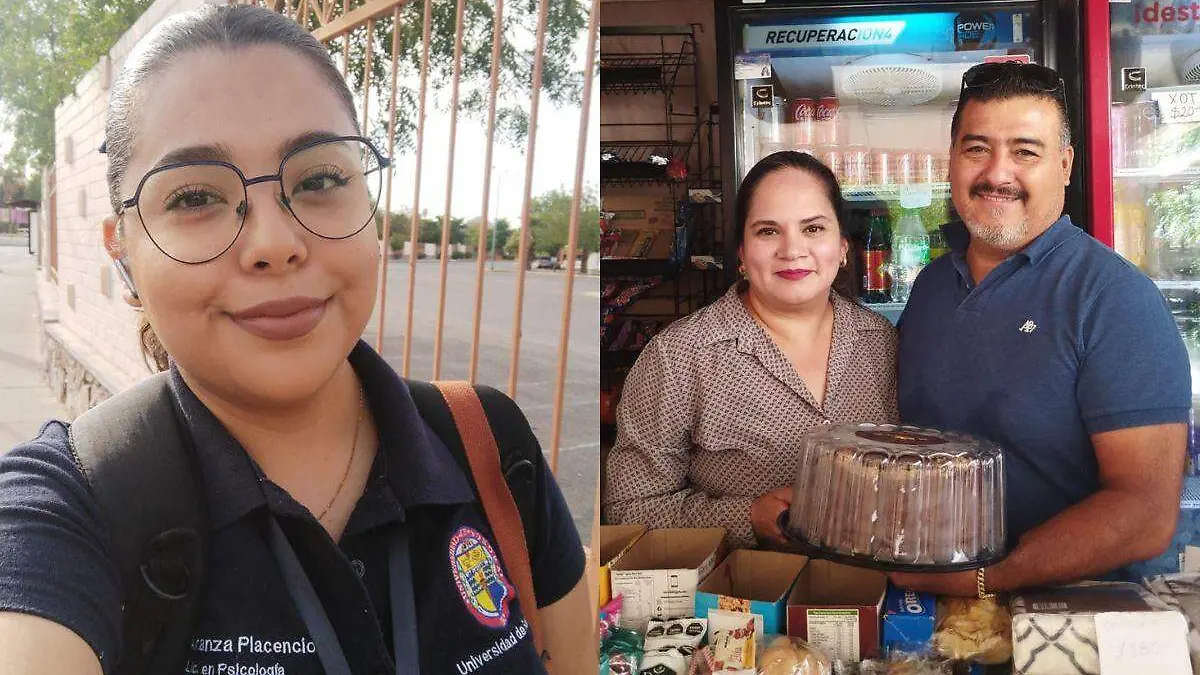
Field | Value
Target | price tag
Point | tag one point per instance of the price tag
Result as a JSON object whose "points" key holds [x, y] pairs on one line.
{"points": [[1177, 104], [1142, 642], [915, 195], [752, 66]]}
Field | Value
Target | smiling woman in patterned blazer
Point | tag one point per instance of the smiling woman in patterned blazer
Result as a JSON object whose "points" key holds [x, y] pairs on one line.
{"points": [[712, 413]]}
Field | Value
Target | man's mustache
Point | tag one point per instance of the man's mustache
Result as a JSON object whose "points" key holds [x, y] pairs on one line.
{"points": [[987, 189]]}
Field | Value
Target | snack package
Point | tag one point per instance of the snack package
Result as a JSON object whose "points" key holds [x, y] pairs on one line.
{"points": [[903, 663], [674, 633], [785, 655], [610, 617], [702, 662], [973, 630], [1182, 592], [734, 651], [621, 653], [667, 661]]}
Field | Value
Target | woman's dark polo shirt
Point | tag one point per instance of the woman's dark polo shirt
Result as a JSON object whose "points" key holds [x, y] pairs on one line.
{"points": [[54, 559]]}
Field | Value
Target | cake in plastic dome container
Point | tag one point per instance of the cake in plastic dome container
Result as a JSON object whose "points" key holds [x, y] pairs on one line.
{"points": [[899, 498]]}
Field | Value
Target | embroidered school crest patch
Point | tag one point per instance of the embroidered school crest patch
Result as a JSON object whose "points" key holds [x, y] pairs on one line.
{"points": [[480, 580]]}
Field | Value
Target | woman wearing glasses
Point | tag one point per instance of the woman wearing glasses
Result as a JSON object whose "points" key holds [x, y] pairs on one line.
{"points": [[243, 199]]}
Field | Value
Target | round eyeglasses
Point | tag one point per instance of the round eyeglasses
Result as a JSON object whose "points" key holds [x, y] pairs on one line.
{"points": [[194, 211]]}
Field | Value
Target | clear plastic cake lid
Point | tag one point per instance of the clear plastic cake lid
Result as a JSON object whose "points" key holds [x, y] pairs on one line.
{"points": [[899, 498]]}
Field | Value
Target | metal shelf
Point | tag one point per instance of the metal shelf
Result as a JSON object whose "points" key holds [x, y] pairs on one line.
{"points": [[611, 360], [1157, 175], [639, 162], [887, 193], [642, 73], [636, 267]]}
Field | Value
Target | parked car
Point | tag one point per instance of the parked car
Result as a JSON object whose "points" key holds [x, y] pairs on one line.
{"points": [[546, 263]]}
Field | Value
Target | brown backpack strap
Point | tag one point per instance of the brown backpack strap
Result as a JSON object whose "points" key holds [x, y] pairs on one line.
{"points": [[483, 455]]}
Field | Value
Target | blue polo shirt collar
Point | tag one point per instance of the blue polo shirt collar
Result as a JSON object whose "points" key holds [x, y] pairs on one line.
{"points": [[412, 461], [958, 238]]}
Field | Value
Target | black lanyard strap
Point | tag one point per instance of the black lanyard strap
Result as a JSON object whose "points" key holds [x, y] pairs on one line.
{"points": [[329, 650], [404, 613], [404, 608]]}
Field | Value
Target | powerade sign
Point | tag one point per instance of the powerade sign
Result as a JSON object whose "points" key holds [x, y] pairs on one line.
{"points": [[974, 30], [818, 35], [917, 32]]}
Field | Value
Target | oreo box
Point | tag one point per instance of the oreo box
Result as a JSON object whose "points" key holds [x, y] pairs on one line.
{"points": [[908, 620]]}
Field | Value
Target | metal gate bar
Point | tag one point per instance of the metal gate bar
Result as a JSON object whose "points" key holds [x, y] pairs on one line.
{"points": [[497, 41], [536, 94], [573, 240], [445, 246]]}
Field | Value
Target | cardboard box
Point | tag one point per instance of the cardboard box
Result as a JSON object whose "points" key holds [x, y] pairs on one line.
{"points": [[908, 620], [837, 608], [646, 218], [757, 582], [615, 540], [638, 208], [658, 576]]}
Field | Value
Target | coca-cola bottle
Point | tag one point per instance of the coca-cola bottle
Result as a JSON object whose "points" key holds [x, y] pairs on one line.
{"points": [[876, 256]]}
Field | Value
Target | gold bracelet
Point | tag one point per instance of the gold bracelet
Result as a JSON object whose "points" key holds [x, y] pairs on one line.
{"points": [[981, 585]]}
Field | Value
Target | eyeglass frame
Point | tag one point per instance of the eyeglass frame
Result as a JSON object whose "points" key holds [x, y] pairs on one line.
{"points": [[384, 163], [1060, 84]]}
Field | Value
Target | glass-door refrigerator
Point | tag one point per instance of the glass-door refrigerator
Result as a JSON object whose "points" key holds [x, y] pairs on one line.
{"points": [[1143, 75], [870, 89]]}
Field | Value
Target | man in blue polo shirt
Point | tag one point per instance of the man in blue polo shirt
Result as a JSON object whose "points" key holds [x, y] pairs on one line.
{"points": [[1034, 335]]}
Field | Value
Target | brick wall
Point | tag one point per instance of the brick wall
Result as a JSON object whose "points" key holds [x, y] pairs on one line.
{"points": [[93, 339]]}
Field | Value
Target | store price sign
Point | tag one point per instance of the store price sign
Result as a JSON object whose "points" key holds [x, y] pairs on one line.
{"points": [[1142, 642], [1177, 104]]}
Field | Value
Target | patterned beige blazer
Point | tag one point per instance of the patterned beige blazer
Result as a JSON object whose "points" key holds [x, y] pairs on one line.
{"points": [[712, 414]]}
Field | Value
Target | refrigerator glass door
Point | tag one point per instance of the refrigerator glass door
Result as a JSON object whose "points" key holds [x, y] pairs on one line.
{"points": [[872, 95], [1154, 118]]}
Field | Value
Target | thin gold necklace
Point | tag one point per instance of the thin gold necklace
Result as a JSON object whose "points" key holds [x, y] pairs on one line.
{"points": [[353, 450]]}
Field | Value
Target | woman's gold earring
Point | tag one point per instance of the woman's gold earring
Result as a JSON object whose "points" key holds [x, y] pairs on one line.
{"points": [[742, 269], [845, 261]]}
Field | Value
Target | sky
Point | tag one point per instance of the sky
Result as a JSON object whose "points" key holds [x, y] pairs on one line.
{"points": [[554, 159]]}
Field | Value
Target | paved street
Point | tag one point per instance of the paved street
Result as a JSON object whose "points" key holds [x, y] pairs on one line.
{"points": [[25, 400], [578, 463]]}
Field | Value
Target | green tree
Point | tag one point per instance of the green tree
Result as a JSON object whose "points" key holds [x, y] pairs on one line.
{"points": [[561, 84], [550, 221], [512, 246], [499, 230], [47, 46]]}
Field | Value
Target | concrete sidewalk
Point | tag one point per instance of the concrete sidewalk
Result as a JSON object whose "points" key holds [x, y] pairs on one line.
{"points": [[25, 398]]}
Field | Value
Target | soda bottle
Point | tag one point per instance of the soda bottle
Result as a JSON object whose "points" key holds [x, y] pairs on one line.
{"points": [[937, 243], [911, 254], [876, 255]]}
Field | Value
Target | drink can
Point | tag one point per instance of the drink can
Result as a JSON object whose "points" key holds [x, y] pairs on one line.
{"points": [[881, 167], [1120, 135], [771, 126], [832, 158], [905, 168], [801, 113], [926, 169], [828, 122], [856, 165], [768, 147]]}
